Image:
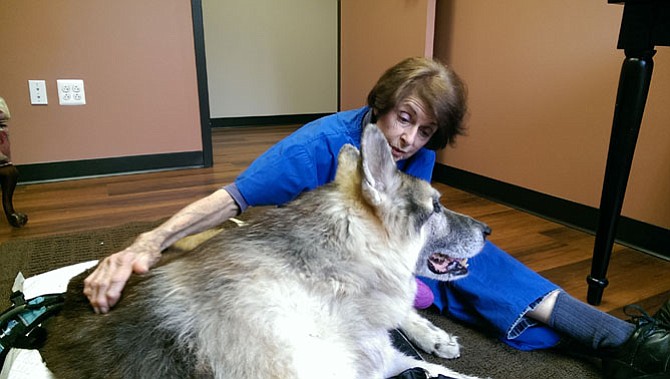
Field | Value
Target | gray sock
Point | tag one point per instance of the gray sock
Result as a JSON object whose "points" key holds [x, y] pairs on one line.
{"points": [[588, 325]]}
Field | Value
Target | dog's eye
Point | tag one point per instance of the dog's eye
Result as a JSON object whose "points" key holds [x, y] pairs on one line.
{"points": [[437, 208]]}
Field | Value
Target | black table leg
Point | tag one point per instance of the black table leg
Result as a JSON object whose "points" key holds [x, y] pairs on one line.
{"points": [[630, 101]]}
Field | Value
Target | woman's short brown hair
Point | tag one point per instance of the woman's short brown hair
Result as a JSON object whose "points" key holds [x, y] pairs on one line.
{"points": [[434, 84]]}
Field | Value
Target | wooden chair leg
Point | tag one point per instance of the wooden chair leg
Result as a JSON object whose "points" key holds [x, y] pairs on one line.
{"points": [[8, 177]]}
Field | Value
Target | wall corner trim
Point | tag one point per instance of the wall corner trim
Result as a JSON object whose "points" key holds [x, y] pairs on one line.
{"points": [[57, 171]]}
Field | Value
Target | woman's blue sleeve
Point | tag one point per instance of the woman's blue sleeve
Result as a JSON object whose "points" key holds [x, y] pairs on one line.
{"points": [[278, 175]]}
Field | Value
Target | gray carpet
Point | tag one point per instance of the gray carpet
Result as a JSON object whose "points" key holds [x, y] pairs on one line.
{"points": [[482, 355]]}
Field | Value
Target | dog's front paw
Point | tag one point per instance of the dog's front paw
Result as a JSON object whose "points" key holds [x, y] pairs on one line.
{"points": [[430, 338], [444, 345]]}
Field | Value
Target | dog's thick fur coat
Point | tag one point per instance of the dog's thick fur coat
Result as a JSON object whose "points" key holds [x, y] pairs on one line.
{"points": [[308, 290]]}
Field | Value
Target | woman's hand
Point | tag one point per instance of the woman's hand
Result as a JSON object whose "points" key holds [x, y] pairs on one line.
{"points": [[104, 286]]}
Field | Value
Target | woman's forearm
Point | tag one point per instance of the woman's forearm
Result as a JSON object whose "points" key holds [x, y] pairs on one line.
{"points": [[196, 217]]}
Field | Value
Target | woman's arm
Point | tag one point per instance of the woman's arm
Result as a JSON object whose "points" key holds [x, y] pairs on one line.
{"points": [[103, 287]]}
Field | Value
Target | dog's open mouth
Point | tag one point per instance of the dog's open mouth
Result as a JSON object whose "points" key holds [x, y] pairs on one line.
{"points": [[441, 264]]}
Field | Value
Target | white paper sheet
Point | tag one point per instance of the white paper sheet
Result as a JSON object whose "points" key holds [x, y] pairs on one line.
{"points": [[27, 364]]}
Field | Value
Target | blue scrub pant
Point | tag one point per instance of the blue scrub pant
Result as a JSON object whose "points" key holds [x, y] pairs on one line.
{"points": [[496, 296]]}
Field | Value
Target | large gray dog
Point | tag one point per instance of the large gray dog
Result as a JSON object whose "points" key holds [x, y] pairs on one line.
{"points": [[309, 290]]}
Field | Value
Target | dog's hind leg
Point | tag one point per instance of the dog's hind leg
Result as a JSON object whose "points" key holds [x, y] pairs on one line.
{"points": [[429, 337]]}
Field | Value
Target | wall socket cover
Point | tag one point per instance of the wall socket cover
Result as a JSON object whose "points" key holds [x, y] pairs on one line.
{"points": [[71, 92]]}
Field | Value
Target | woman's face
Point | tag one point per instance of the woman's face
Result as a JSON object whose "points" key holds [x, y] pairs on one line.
{"points": [[407, 127]]}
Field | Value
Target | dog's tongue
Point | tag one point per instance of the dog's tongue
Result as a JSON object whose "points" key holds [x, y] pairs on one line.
{"points": [[442, 264]]}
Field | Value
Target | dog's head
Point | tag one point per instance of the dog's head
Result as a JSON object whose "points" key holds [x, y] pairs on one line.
{"points": [[444, 256], [435, 240]]}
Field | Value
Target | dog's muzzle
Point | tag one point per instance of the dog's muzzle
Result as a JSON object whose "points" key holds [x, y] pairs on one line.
{"points": [[443, 264]]}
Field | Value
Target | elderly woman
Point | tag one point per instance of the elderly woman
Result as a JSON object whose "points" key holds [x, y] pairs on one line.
{"points": [[419, 105]]}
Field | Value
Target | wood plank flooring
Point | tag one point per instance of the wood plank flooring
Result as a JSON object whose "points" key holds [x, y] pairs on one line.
{"points": [[561, 254]]}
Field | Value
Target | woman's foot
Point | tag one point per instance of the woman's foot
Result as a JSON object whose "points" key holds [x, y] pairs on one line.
{"points": [[663, 314], [647, 352]]}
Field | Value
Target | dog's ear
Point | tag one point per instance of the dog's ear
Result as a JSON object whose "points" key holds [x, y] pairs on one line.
{"points": [[348, 161], [379, 168]]}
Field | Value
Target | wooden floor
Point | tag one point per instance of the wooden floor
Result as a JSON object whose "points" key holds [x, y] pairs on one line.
{"points": [[559, 253]]}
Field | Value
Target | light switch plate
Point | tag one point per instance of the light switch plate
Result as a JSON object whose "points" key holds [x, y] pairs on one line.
{"points": [[71, 92], [38, 92]]}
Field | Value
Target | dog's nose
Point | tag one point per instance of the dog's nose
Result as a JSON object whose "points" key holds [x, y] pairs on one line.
{"points": [[486, 230]]}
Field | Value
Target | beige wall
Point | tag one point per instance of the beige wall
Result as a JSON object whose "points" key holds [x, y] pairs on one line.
{"points": [[542, 79], [268, 58], [138, 64], [376, 34]]}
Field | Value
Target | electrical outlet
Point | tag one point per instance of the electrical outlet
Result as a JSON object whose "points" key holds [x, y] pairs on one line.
{"points": [[71, 92], [38, 92]]}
